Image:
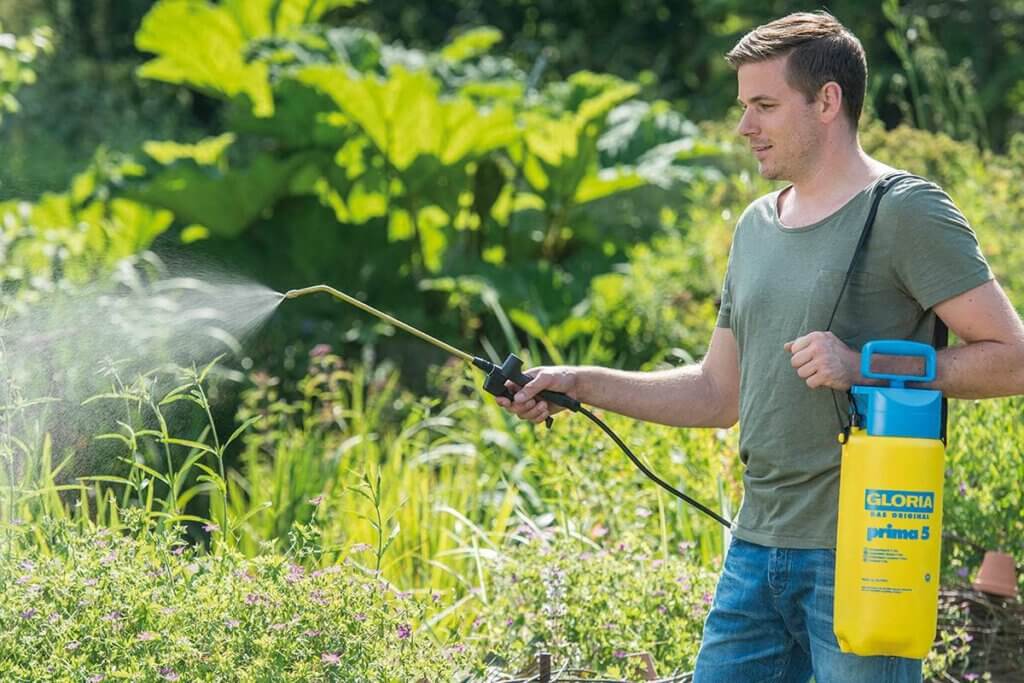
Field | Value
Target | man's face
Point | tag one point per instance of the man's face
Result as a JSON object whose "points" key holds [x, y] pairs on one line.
{"points": [[782, 128]]}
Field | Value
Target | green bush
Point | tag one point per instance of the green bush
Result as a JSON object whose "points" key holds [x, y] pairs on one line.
{"points": [[102, 606], [594, 606]]}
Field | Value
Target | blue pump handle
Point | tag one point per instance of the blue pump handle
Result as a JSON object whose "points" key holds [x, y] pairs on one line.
{"points": [[898, 347]]}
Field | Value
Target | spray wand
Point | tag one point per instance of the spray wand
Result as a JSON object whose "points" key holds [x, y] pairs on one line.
{"points": [[497, 375]]}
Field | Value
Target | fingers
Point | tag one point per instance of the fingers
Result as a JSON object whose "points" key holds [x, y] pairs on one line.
{"points": [[534, 411]]}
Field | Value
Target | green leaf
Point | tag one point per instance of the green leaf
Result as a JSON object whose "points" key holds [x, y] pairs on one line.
{"points": [[605, 184], [225, 203], [190, 444], [202, 45], [206, 152], [244, 426], [470, 44]]}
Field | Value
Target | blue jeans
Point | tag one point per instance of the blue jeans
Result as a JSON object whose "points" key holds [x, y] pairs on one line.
{"points": [[771, 620]]}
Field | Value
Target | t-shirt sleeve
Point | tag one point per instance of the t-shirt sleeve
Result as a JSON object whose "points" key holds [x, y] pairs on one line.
{"points": [[725, 307], [935, 253]]}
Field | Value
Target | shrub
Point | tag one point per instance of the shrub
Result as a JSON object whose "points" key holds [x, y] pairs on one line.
{"points": [[144, 606]]}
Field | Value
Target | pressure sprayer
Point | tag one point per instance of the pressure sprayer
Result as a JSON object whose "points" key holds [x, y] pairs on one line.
{"points": [[510, 370], [890, 512]]}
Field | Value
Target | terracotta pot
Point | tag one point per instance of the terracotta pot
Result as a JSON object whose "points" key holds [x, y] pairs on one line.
{"points": [[997, 576]]}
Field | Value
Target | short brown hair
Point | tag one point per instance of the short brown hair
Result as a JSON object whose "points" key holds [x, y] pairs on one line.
{"points": [[820, 50]]}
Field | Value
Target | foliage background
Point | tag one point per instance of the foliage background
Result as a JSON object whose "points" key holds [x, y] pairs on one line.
{"points": [[556, 179]]}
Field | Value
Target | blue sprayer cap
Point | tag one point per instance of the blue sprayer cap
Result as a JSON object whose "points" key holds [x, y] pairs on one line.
{"points": [[896, 410]]}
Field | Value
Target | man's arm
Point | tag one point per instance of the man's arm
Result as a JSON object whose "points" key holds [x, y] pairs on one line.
{"points": [[989, 363], [701, 395]]}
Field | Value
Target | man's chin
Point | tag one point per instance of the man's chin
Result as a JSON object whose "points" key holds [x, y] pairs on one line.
{"points": [[769, 172]]}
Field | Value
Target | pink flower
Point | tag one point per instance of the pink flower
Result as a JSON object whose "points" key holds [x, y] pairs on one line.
{"points": [[360, 547], [146, 636], [404, 631], [211, 527], [619, 654], [330, 658], [360, 616], [316, 500], [232, 623], [168, 674], [320, 350]]}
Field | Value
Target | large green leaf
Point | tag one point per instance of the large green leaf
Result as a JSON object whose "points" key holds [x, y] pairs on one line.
{"points": [[206, 152], [471, 44], [405, 118], [226, 203], [202, 45]]}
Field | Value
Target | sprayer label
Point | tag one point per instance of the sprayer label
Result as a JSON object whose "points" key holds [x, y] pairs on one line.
{"points": [[899, 501]]}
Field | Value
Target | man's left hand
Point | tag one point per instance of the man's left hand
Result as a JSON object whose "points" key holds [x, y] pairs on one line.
{"points": [[822, 360]]}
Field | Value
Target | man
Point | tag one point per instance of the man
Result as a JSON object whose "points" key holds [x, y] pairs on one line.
{"points": [[773, 366]]}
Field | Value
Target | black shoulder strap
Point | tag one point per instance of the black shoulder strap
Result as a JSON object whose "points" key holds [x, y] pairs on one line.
{"points": [[941, 334], [940, 340]]}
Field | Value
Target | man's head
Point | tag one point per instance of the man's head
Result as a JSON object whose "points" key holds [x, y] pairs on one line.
{"points": [[802, 79]]}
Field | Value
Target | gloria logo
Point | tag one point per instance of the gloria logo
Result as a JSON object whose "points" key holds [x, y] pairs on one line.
{"points": [[899, 501]]}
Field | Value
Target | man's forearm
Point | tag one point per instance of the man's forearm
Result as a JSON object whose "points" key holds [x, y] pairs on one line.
{"points": [[982, 369], [681, 397]]}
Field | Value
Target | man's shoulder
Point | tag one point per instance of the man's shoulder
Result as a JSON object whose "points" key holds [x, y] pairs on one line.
{"points": [[761, 209]]}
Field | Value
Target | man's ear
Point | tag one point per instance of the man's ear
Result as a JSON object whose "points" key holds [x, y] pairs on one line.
{"points": [[830, 101]]}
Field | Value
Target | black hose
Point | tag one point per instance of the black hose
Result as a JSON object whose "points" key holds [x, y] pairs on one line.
{"points": [[679, 494]]}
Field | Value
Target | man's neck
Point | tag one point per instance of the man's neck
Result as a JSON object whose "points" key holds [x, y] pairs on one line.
{"points": [[828, 184]]}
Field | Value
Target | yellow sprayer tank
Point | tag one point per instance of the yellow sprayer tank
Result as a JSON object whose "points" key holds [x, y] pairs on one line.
{"points": [[890, 513]]}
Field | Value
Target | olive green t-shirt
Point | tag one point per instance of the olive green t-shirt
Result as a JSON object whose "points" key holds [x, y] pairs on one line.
{"points": [[782, 283]]}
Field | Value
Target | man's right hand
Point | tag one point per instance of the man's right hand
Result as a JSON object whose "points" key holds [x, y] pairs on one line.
{"points": [[564, 379]]}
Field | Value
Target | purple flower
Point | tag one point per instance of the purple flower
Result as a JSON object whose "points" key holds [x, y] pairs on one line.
{"points": [[252, 599], [169, 674], [27, 565], [360, 616], [211, 527], [963, 488], [316, 500], [619, 654], [331, 658], [962, 572], [178, 550], [707, 598], [311, 633], [320, 350], [509, 621], [641, 511], [28, 614], [971, 677], [404, 631], [95, 678], [295, 573], [146, 636], [360, 547], [232, 623]]}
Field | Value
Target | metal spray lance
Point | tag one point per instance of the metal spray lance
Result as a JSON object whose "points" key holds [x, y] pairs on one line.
{"points": [[497, 375]]}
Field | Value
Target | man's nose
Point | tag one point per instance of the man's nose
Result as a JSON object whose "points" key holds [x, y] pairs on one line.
{"points": [[747, 124]]}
